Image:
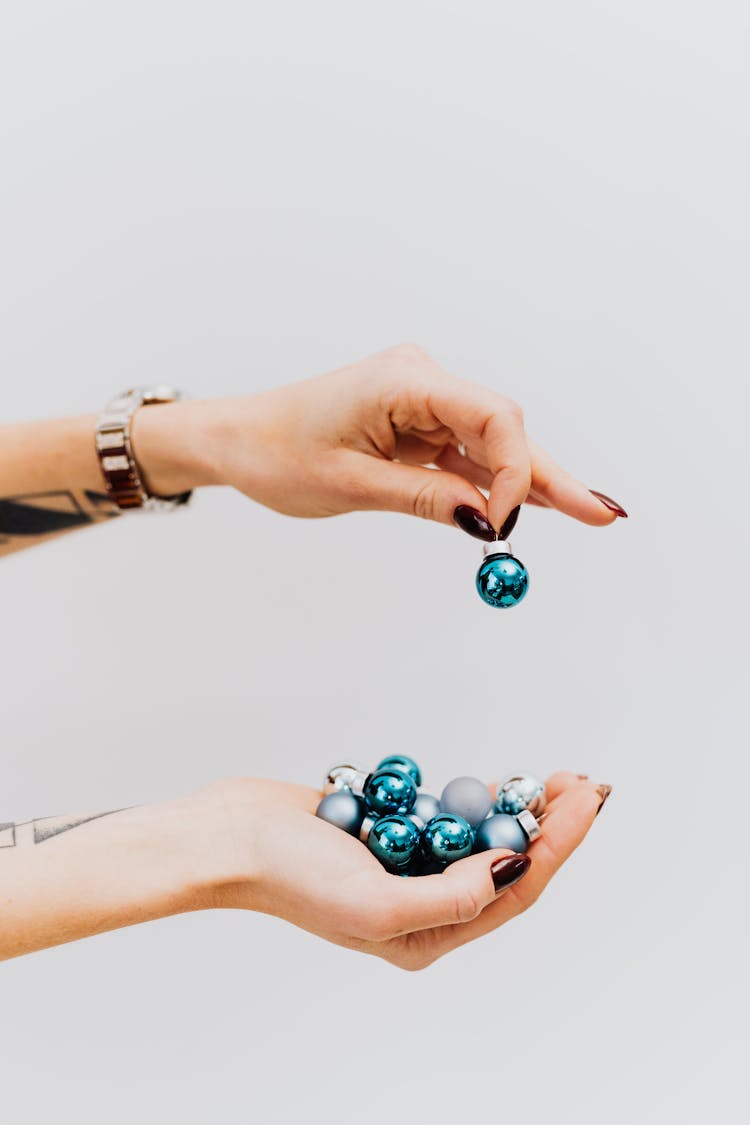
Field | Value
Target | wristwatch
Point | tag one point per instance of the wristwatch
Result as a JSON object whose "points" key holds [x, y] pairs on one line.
{"points": [[122, 478]]}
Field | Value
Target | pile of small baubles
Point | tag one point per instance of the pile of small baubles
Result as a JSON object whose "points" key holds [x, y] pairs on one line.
{"points": [[414, 833]]}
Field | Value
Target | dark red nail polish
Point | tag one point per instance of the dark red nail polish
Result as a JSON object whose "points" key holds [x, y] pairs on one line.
{"points": [[506, 872], [582, 776], [608, 502], [474, 523], [604, 792], [510, 523]]}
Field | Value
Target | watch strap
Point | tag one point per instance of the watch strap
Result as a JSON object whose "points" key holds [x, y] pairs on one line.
{"points": [[122, 477]]}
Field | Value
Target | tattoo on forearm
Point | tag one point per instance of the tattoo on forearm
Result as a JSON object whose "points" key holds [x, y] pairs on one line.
{"points": [[37, 831], [38, 516]]}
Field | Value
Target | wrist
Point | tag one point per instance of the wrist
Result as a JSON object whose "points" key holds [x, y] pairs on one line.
{"points": [[219, 865], [175, 447], [176, 850]]}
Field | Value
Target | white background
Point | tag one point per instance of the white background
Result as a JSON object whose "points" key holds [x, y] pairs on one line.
{"points": [[552, 199]]}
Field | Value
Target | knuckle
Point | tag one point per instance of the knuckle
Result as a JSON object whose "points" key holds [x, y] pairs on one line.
{"points": [[553, 857], [425, 502], [466, 906], [514, 411], [524, 481], [520, 901], [517, 476], [525, 902], [409, 353]]}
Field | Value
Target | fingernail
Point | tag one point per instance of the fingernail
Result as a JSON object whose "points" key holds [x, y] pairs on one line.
{"points": [[506, 872], [510, 523], [603, 791], [474, 523], [582, 776], [608, 502]]}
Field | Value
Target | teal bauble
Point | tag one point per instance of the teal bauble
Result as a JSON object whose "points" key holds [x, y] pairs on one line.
{"points": [[446, 838], [405, 764], [502, 580], [394, 841], [389, 791]]}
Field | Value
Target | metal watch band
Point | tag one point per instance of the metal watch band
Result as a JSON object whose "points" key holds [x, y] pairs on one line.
{"points": [[122, 478]]}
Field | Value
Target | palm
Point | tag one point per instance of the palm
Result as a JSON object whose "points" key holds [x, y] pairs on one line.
{"points": [[326, 882]]}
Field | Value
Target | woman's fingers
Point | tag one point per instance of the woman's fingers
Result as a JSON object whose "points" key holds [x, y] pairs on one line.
{"points": [[564, 828], [454, 462], [559, 783], [491, 429], [551, 486], [390, 486], [498, 457], [457, 896], [554, 786], [570, 816], [558, 489], [465, 889]]}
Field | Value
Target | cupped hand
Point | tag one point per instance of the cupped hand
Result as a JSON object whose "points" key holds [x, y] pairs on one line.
{"points": [[286, 862], [397, 433]]}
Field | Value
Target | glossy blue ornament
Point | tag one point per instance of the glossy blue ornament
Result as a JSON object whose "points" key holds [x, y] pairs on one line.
{"points": [[389, 791], [342, 809], [446, 838], [502, 580], [426, 865], [403, 763], [394, 841], [501, 831]]}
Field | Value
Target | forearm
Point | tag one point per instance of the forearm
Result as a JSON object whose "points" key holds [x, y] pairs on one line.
{"points": [[64, 878], [51, 482]]}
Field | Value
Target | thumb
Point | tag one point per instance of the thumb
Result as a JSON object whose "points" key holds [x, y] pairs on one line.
{"points": [[461, 893], [431, 494]]}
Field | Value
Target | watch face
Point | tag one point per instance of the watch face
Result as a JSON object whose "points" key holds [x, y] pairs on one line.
{"points": [[161, 394]]}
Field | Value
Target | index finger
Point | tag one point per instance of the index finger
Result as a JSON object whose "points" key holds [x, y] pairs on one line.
{"points": [[491, 428], [554, 487]]}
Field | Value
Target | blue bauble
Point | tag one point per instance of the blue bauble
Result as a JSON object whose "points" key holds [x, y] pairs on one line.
{"points": [[394, 840], [500, 831], [406, 765], [502, 581], [389, 791], [446, 838], [426, 865], [467, 797], [426, 806], [343, 810]]}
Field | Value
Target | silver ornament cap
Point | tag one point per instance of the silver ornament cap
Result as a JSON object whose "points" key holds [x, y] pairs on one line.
{"points": [[366, 827], [345, 777], [497, 547], [530, 825]]}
